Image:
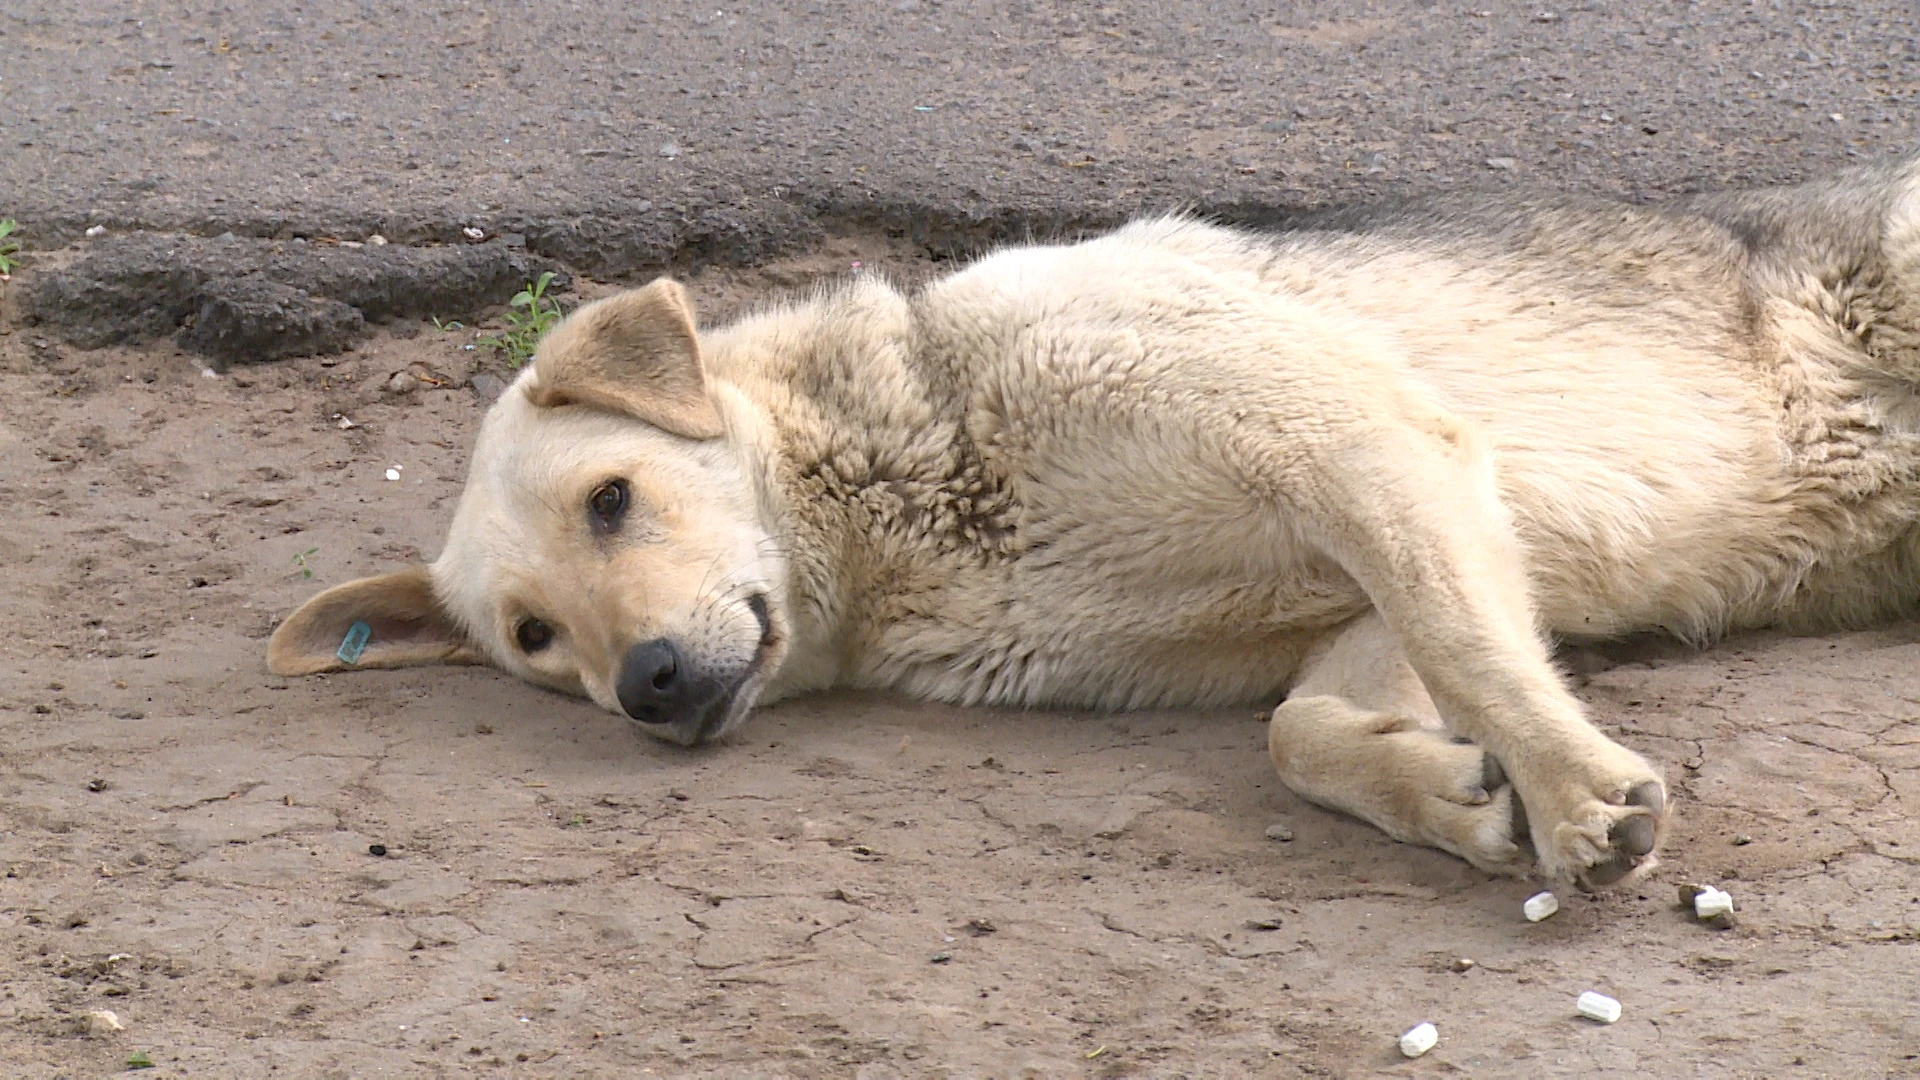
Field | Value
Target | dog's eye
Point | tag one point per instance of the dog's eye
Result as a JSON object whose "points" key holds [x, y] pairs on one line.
{"points": [[533, 635], [607, 503]]}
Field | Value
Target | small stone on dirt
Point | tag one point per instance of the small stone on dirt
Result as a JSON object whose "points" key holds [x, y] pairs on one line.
{"points": [[1280, 833], [1741, 840], [103, 1022], [1263, 924], [402, 382], [940, 958], [96, 784], [980, 927], [1461, 965], [379, 850], [486, 387], [97, 230]]}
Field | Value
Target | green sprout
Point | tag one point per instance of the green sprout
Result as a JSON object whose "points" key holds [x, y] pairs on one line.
{"points": [[7, 246], [300, 560], [530, 314]]}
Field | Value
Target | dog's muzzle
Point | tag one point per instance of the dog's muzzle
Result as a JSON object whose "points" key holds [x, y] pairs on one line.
{"points": [[661, 687], [658, 686]]}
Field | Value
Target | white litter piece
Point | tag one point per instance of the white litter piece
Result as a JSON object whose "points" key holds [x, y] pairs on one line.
{"points": [[1711, 902], [1420, 1040], [393, 474], [1540, 905], [97, 230], [473, 234], [343, 423], [1597, 1007]]}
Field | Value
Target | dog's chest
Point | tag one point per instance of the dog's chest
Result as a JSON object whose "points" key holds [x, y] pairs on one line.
{"points": [[1074, 571]]}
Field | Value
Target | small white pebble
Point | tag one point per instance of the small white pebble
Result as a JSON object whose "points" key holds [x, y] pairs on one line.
{"points": [[1597, 1007], [377, 240], [1540, 905], [103, 1022], [393, 474], [1712, 902], [476, 235], [1420, 1040], [97, 230]]}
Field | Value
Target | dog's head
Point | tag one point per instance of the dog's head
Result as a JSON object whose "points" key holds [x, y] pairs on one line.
{"points": [[607, 543]]}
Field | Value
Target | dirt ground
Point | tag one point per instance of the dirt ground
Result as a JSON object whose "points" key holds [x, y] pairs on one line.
{"points": [[856, 886]]}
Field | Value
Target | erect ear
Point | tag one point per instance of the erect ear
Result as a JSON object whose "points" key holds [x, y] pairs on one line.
{"points": [[388, 621], [634, 353]]}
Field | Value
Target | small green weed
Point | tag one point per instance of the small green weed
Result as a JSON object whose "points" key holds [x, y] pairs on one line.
{"points": [[8, 246], [530, 314], [449, 326], [300, 560], [139, 1060]]}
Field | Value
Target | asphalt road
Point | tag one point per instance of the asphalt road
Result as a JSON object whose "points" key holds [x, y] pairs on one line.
{"points": [[618, 135]]}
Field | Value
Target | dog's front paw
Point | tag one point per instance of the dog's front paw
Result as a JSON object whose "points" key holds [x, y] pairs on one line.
{"points": [[1597, 821]]}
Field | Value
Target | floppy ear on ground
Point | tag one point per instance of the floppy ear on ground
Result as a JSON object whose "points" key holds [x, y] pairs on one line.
{"points": [[636, 353], [387, 621]]}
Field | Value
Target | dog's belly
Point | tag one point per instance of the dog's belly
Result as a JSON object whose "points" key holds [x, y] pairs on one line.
{"points": [[1108, 624]]}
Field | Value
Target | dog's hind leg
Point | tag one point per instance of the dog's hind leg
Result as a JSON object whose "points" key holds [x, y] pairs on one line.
{"points": [[1359, 734]]}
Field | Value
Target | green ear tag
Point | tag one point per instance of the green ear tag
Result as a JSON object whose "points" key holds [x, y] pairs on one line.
{"points": [[354, 643]]}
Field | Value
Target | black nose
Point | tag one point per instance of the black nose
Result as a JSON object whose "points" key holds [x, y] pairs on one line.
{"points": [[652, 686]]}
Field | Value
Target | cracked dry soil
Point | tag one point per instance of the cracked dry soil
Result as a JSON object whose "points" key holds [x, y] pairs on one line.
{"points": [[857, 886]]}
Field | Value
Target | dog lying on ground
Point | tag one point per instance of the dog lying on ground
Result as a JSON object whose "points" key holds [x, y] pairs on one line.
{"points": [[1374, 466]]}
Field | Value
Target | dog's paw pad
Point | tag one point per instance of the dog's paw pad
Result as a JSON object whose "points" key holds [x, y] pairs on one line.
{"points": [[1633, 820], [1636, 835]]}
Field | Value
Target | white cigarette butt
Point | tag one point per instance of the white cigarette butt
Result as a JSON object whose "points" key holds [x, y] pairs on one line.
{"points": [[1597, 1007], [1540, 905], [1712, 902], [1420, 1040]]}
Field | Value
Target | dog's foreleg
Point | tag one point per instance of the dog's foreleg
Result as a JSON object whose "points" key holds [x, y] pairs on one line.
{"points": [[1407, 504]]}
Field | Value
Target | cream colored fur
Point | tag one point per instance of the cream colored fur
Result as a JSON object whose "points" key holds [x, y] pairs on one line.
{"points": [[1375, 468]]}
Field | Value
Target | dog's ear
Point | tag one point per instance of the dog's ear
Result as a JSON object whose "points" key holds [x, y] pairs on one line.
{"points": [[388, 621], [635, 353]]}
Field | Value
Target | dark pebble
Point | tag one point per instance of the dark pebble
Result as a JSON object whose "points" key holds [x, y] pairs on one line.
{"points": [[376, 849]]}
